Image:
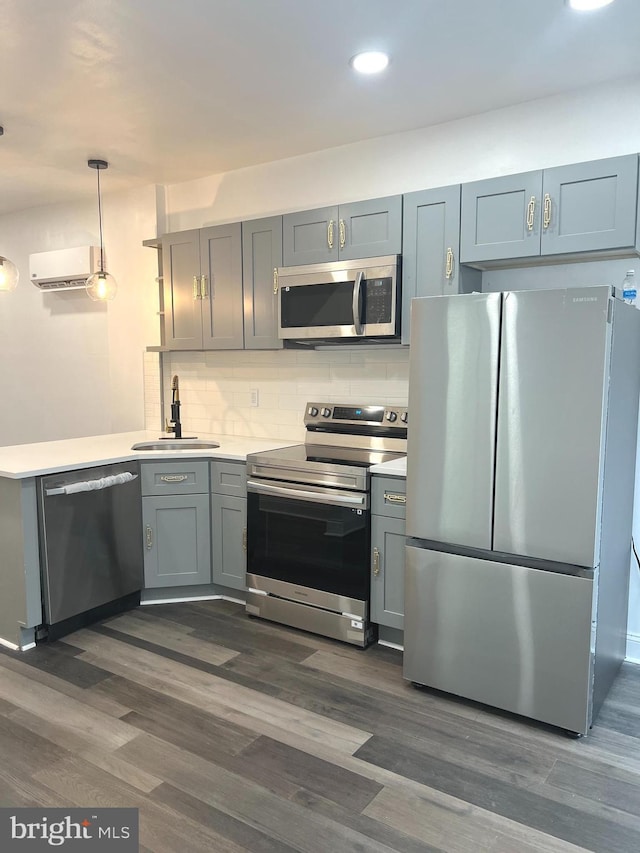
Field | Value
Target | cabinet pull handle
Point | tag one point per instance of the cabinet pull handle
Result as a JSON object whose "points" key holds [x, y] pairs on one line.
{"points": [[275, 279], [330, 234], [531, 212], [546, 219], [376, 562], [174, 478], [205, 292], [393, 498], [244, 539], [343, 233], [149, 538], [449, 264], [196, 287]]}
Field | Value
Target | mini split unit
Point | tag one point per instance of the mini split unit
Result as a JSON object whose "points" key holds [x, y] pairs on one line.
{"points": [[64, 269]]}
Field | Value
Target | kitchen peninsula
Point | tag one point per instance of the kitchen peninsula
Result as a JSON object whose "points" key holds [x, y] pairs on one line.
{"points": [[21, 465]]}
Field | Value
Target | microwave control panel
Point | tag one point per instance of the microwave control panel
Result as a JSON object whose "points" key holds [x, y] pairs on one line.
{"points": [[377, 300]]}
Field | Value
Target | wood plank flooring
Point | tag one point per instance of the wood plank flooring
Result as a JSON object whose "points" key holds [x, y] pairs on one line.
{"points": [[231, 734]]}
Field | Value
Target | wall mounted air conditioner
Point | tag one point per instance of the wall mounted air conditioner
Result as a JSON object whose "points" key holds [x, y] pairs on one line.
{"points": [[64, 269]]}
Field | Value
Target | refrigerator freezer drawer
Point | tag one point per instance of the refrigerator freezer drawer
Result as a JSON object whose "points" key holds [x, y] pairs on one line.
{"points": [[508, 636]]}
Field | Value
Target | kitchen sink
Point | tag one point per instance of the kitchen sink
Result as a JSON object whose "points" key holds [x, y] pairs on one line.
{"points": [[178, 444]]}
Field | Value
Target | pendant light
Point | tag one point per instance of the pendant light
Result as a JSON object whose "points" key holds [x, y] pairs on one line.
{"points": [[101, 286], [9, 274]]}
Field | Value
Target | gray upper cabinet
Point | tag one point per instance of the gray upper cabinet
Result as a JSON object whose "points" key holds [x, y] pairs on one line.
{"points": [[590, 206], [363, 229], [500, 218], [310, 236], [261, 256], [202, 288], [581, 208], [181, 280], [430, 247]]}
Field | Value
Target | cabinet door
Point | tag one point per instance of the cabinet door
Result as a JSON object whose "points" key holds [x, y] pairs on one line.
{"points": [[180, 283], [261, 255], [177, 540], [387, 571], [229, 524], [591, 206], [310, 236], [430, 247], [221, 266], [501, 218], [367, 229]]}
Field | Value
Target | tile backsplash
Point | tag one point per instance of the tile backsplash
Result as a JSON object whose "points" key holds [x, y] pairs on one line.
{"points": [[216, 388]]}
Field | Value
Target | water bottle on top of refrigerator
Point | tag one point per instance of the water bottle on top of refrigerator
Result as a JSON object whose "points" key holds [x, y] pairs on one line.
{"points": [[630, 288]]}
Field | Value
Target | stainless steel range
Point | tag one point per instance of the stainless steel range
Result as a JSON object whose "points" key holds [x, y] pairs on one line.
{"points": [[308, 524]]}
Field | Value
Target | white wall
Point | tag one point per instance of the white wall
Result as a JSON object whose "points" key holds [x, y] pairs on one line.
{"points": [[72, 367], [587, 125]]}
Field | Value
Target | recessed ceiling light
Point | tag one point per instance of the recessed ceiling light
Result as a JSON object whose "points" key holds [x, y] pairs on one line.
{"points": [[588, 5], [370, 62]]}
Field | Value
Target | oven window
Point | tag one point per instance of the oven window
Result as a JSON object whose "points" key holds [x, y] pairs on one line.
{"points": [[315, 545], [317, 305]]}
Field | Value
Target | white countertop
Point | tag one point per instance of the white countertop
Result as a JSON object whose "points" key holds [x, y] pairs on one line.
{"points": [[394, 468], [48, 457]]}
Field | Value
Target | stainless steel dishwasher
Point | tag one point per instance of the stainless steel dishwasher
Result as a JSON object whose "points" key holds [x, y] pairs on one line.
{"points": [[91, 549]]}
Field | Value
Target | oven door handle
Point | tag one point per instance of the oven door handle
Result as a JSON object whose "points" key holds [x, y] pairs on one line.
{"points": [[333, 498], [357, 288]]}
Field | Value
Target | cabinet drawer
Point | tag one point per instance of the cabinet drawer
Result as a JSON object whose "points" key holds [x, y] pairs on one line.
{"points": [[388, 496], [229, 478], [175, 478]]}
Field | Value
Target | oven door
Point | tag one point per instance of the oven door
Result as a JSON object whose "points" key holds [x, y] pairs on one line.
{"points": [[302, 539], [335, 301]]}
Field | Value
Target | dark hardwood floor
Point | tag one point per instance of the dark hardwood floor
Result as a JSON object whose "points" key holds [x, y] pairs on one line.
{"points": [[231, 734]]}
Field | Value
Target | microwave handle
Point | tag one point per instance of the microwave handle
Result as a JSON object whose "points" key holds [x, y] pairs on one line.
{"points": [[356, 303]]}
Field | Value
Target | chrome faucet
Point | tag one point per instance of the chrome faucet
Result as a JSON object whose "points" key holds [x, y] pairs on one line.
{"points": [[175, 426]]}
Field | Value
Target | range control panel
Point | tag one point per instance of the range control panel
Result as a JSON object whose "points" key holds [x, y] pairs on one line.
{"points": [[337, 413]]}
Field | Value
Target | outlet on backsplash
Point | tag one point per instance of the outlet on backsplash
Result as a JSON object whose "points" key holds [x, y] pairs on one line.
{"points": [[255, 399]]}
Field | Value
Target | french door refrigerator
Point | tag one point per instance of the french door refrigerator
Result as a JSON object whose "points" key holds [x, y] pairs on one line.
{"points": [[520, 476]]}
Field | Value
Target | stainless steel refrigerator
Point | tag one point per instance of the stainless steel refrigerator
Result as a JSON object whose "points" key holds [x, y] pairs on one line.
{"points": [[520, 476]]}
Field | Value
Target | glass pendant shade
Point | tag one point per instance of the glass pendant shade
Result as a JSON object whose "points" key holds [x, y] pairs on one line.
{"points": [[101, 286], [9, 275]]}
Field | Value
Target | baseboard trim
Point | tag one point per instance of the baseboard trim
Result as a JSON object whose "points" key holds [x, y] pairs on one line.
{"points": [[633, 648]]}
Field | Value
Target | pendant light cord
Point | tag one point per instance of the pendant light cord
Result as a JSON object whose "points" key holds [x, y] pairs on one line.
{"points": [[100, 221]]}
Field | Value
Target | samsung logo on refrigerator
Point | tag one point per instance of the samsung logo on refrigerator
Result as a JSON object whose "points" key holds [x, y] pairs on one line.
{"points": [[584, 299]]}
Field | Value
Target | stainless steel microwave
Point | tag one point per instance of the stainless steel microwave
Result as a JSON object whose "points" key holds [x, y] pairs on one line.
{"points": [[341, 300]]}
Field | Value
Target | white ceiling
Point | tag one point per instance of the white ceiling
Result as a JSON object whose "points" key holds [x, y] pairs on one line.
{"points": [[170, 90]]}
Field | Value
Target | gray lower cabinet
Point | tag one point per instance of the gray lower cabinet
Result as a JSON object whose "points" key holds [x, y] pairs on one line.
{"points": [[580, 208], [261, 256], [202, 288], [229, 523], [363, 229], [387, 551], [176, 523]]}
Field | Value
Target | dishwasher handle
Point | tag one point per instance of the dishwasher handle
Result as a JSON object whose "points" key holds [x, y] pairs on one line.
{"points": [[92, 485]]}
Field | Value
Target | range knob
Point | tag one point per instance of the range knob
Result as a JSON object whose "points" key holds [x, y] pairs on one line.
{"points": [[392, 416], [404, 417], [313, 411], [325, 413]]}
